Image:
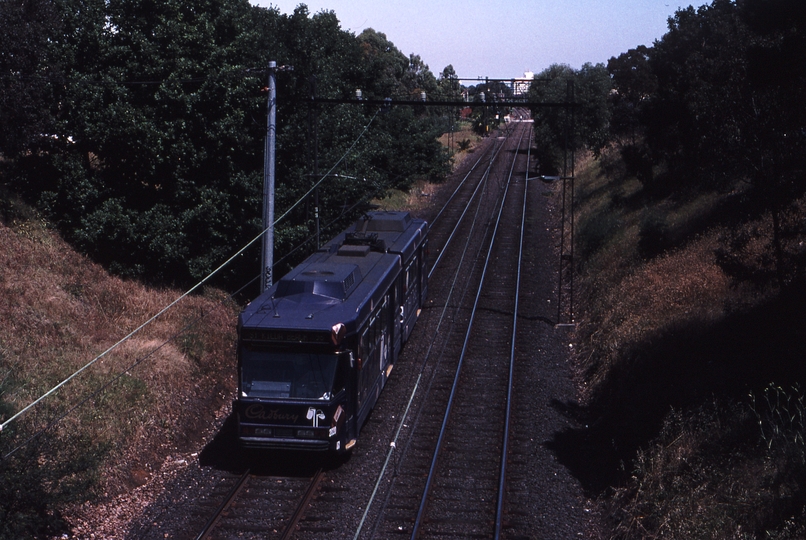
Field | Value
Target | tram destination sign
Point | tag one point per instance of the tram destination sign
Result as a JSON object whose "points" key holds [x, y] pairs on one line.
{"points": [[285, 336]]}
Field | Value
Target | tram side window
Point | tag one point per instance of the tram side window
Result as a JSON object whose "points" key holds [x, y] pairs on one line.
{"points": [[371, 337], [340, 380], [376, 329], [386, 315], [363, 346], [373, 332], [412, 275]]}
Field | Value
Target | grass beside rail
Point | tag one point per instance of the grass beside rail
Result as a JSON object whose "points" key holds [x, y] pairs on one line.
{"points": [[689, 357], [109, 426]]}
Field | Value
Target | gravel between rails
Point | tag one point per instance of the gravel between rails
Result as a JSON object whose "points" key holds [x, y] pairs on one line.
{"points": [[544, 501]]}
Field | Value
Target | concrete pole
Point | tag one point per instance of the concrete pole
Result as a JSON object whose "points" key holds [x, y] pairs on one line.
{"points": [[268, 182]]}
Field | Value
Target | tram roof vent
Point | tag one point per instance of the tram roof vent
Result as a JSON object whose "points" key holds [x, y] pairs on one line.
{"points": [[387, 221], [353, 251], [333, 281]]}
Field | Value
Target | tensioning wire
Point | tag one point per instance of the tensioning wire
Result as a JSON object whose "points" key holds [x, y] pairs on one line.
{"points": [[181, 297]]}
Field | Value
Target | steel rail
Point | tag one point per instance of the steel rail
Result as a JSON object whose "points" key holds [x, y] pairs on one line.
{"points": [[236, 489], [404, 416], [471, 104], [458, 187], [484, 177], [292, 524], [432, 471], [462, 182], [211, 523], [499, 512]]}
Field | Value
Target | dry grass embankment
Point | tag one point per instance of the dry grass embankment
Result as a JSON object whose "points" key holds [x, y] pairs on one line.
{"points": [[690, 356], [461, 143], [58, 311]]}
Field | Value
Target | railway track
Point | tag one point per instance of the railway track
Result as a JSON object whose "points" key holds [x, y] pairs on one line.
{"points": [[268, 506], [261, 507], [384, 490], [449, 481]]}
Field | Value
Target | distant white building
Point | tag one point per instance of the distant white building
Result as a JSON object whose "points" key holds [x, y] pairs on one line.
{"points": [[522, 85]]}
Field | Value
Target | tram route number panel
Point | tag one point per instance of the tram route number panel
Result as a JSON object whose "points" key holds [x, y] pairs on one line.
{"points": [[315, 350]]}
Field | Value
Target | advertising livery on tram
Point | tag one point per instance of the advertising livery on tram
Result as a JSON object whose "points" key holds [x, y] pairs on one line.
{"points": [[316, 348]]}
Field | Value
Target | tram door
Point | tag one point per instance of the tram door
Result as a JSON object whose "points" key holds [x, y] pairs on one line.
{"points": [[423, 272], [396, 317], [374, 350], [411, 297]]}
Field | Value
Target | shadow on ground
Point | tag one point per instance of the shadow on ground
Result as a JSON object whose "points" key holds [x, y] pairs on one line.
{"points": [[224, 453], [681, 369]]}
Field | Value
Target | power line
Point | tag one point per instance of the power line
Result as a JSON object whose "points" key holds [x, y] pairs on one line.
{"points": [[61, 78], [326, 175], [188, 292], [139, 361], [434, 103]]}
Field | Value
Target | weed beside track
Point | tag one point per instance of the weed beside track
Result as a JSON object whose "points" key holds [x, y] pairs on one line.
{"points": [[685, 334]]}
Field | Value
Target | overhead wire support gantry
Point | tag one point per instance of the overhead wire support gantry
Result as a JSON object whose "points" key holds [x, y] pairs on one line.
{"points": [[565, 292], [427, 103]]}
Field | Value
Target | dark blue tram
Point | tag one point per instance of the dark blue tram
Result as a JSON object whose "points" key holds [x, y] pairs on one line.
{"points": [[315, 349]]}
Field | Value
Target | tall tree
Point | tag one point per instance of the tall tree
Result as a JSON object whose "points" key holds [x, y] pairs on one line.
{"points": [[384, 65], [448, 84], [701, 69], [29, 71], [633, 84], [729, 107], [562, 129], [154, 160]]}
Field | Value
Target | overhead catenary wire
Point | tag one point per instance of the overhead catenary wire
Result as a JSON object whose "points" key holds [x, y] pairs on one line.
{"points": [[426, 356], [117, 377], [452, 289], [226, 263], [138, 361], [440, 439], [330, 171], [61, 78], [499, 510], [97, 392]]}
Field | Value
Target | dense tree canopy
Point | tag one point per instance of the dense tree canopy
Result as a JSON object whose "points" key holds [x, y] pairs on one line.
{"points": [[562, 129], [721, 96], [719, 103], [27, 66], [138, 126]]}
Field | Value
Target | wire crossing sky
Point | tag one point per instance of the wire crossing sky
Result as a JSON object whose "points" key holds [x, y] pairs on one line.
{"points": [[503, 38]]}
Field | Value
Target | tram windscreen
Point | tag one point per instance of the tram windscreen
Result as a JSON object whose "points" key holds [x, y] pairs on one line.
{"points": [[268, 374]]}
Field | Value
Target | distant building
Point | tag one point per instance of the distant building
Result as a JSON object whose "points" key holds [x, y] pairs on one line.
{"points": [[521, 86]]}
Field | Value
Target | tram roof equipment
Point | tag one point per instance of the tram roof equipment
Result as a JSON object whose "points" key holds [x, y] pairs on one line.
{"points": [[342, 282]]}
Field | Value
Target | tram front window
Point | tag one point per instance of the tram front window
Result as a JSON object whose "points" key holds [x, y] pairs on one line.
{"points": [[266, 374]]}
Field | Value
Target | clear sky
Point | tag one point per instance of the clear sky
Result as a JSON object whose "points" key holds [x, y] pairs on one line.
{"points": [[503, 38]]}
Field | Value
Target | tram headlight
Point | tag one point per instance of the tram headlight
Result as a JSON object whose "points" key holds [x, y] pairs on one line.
{"points": [[305, 433], [337, 333]]}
